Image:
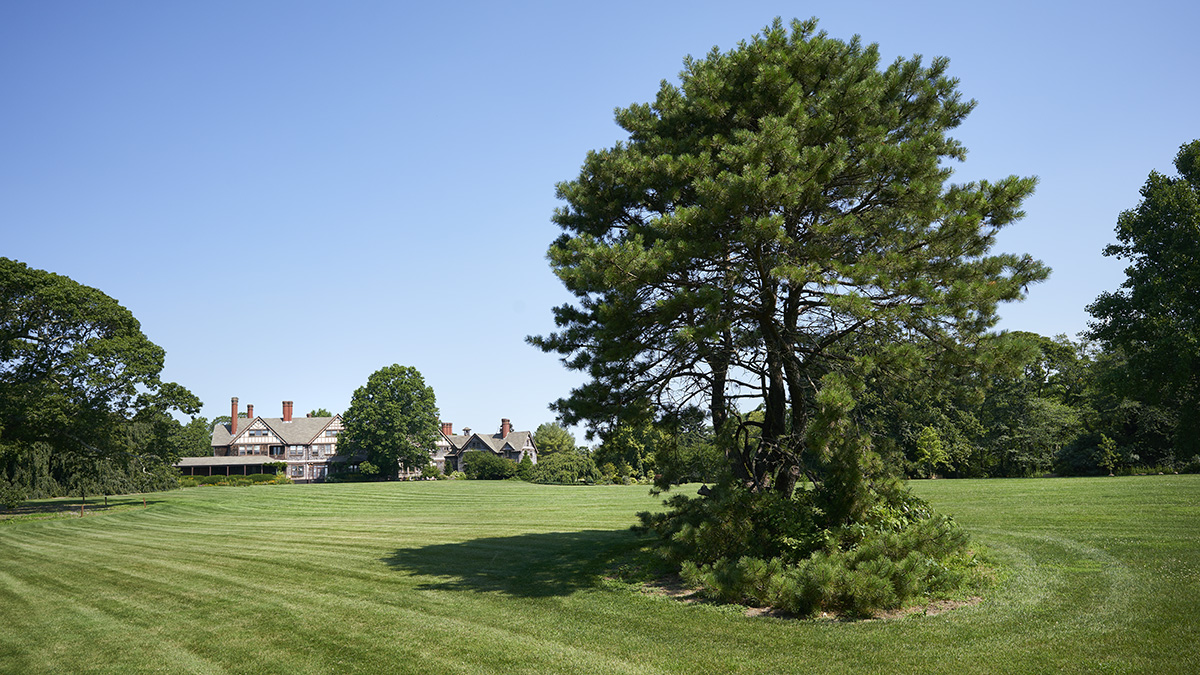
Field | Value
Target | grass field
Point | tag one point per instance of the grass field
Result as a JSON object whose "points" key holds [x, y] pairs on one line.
{"points": [[1103, 575]]}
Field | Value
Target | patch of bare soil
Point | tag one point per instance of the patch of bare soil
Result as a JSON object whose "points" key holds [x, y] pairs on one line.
{"points": [[931, 609], [672, 587]]}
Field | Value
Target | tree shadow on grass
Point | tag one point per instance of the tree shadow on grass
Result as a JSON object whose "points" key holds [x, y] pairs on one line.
{"points": [[526, 565], [65, 506]]}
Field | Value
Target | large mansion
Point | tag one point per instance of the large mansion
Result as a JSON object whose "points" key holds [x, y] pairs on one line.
{"points": [[308, 445]]}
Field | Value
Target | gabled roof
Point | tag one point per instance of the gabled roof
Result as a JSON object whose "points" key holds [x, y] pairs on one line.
{"points": [[516, 439], [456, 441], [300, 431]]}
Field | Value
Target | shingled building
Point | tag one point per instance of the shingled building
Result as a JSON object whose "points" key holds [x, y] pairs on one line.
{"points": [[308, 445], [514, 445]]}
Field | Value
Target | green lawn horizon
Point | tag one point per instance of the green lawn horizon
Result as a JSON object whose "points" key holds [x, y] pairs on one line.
{"points": [[1097, 575]]}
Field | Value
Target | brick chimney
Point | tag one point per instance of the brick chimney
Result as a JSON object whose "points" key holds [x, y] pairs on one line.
{"points": [[287, 411], [448, 428], [233, 413], [505, 427], [249, 411]]}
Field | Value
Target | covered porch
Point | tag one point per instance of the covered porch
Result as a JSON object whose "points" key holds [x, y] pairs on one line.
{"points": [[225, 466]]}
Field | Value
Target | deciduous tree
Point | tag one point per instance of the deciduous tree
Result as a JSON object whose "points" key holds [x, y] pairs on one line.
{"points": [[76, 370], [392, 419], [1152, 319], [568, 468]]}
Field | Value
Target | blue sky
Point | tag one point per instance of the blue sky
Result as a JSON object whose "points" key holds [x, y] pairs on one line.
{"points": [[291, 195]]}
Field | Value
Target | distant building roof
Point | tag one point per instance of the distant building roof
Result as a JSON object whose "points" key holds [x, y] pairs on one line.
{"points": [[300, 431], [517, 440]]}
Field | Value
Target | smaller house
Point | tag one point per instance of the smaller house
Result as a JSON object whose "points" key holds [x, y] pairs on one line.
{"points": [[514, 445]]}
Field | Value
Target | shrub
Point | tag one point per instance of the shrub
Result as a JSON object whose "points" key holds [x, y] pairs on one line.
{"points": [[432, 472], [1192, 465], [235, 480], [346, 476], [457, 475], [482, 465], [11, 494], [565, 468], [764, 549], [885, 571]]}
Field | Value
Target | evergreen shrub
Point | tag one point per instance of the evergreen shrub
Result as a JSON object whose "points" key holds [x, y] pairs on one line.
{"points": [[764, 549], [481, 465]]}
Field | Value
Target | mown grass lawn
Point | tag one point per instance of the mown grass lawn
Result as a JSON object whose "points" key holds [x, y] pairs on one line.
{"points": [[1103, 575]]}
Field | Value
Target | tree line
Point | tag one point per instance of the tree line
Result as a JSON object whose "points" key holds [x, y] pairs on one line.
{"points": [[82, 407]]}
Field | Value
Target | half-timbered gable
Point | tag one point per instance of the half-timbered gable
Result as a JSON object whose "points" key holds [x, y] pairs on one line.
{"points": [[255, 438]]}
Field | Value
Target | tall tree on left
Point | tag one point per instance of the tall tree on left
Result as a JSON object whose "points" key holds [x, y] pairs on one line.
{"points": [[392, 420], [75, 370]]}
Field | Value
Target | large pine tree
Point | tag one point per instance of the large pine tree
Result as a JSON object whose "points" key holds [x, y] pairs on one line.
{"points": [[783, 214]]}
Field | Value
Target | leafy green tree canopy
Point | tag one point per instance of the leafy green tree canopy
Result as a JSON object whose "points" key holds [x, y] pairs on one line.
{"points": [[392, 419], [320, 412], [551, 438], [783, 213], [565, 469], [631, 447], [75, 369], [1151, 318], [931, 452]]}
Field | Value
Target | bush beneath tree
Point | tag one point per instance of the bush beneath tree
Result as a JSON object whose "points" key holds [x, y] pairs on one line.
{"points": [[767, 550]]}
